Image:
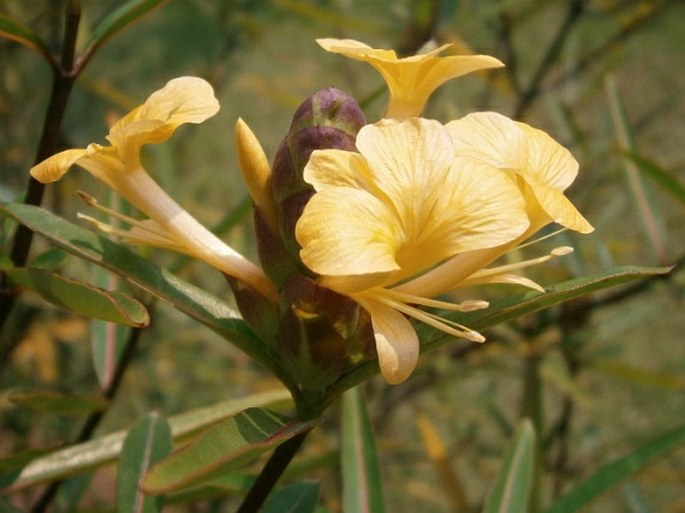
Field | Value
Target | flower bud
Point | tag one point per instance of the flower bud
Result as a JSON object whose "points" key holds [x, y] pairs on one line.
{"points": [[329, 119], [321, 336]]}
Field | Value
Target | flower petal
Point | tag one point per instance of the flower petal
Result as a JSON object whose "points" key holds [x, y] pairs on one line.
{"points": [[181, 100], [491, 137], [55, 167], [345, 231], [337, 168], [411, 80], [407, 161], [396, 342]]}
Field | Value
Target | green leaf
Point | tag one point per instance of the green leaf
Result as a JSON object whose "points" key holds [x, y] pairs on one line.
{"points": [[81, 298], [230, 445], [666, 179], [511, 307], [108, 341], [11, 466], [124, 16], [300, 497], [644, 203], [618, 470], [362, 483], [148, 441], [49, 260], [16, 31], [193, 301], [57, 403], [532, 301], [511, 490], [105, 449]]}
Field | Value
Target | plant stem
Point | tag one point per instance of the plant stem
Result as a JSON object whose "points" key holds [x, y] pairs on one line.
{"points": [[62, 83], [271, 473]]}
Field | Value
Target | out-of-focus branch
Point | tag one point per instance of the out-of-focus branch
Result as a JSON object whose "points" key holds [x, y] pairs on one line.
{"points": [[574, 13]]}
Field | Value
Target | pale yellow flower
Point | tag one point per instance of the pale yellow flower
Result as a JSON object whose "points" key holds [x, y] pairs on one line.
{"points": [[542, 170], [411, 80], [401, 206], [182, 100]]}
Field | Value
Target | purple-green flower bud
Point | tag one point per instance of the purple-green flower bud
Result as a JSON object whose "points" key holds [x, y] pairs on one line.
{"points": [[327, 119]]}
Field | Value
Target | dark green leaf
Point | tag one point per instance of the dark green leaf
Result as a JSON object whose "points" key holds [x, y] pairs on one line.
{"points": [[16, 31], [618, 470], [300, 497], [88, 455], [193, 301], [124, 16], [362, 483], [511, 490], [49, 260], [228, 446], [57, 403], [148, 441], [81, 298]]}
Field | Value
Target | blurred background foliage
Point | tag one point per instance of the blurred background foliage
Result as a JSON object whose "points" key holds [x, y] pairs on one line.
{"points": [[598, 376]]}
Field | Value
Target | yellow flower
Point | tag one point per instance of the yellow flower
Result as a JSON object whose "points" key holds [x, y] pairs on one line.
{"points": [[542, 170], [182, 100], [400, 207], [411, 80]]}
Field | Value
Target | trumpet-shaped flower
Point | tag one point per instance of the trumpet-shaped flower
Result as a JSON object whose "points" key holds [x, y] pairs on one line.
{"points": [[404, 204], [182, 100], [411, 80]]}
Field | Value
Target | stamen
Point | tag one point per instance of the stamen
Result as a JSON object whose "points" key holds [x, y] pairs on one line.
{"points": [[502, 269], [444, 325], [465, 306], [540, 239]]}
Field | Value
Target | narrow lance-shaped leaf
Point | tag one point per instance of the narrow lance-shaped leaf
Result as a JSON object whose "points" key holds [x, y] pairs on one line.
{"points": [[107, 340], [81, 298], [514, 306], [300, 497], [615, 472], [511, 490], [148, 441], [647, 209], [659, 175], [16, 31], [91, 454], [230, 445], [362, 484], [189, 299], [125, 15], [58, 403]]}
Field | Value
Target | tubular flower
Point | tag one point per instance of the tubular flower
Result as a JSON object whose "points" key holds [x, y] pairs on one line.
{"points": [[402, 205], [182, 100], [542, 170], [411, 80]]}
